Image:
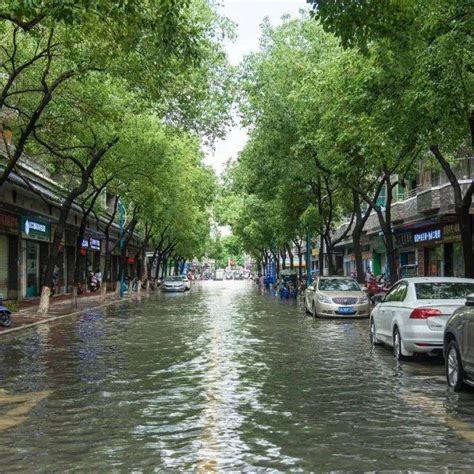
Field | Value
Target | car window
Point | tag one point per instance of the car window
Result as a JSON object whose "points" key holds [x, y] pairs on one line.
{"points": [[392, 294], [443, 290], [338, 284], [402, 292]]}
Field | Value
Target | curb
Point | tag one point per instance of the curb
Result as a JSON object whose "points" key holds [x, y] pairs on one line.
{"points": [[63, 316]]}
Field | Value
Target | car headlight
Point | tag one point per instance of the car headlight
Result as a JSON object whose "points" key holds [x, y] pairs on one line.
{"points": [[324, 299], [364, 300]]}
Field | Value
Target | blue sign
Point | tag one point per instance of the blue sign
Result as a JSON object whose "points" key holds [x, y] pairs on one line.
{"points": [[427, 236], [270, 273]]}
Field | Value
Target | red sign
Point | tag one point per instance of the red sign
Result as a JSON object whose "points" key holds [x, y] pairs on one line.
{"points": [[131, 260]]}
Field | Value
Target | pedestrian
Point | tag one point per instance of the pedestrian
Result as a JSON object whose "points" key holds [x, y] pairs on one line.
{"points": [[98, 275]]}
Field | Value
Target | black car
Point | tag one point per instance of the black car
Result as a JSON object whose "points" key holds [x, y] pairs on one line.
{"points": [[459, 346]]}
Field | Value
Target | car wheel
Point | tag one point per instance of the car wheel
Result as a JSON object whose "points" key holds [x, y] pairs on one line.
{"points": [[397, 345], [373, 335], [454, 370]]}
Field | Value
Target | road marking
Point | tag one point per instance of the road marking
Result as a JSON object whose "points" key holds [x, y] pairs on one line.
{"points": [[17, 415]]}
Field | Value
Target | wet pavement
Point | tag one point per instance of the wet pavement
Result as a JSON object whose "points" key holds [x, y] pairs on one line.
{"points": [[222, 378]]}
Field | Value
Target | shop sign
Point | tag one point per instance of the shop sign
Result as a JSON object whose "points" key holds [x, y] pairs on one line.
{"points": [[94, 244], [8, 224], [85, 244], [35, 229], [427, 236], [404, 240], [131, 260], [451, 233], [315, 252]]}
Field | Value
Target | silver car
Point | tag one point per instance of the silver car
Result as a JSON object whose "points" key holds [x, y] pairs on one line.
{"points": [[336, 297], [459, 346], [173, 284]]}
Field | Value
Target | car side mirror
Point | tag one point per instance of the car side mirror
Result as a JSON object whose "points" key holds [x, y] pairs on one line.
{"points": [[376, 299]]}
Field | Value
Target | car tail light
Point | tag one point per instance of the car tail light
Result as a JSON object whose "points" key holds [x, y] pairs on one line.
{"points": [[423, 313]]}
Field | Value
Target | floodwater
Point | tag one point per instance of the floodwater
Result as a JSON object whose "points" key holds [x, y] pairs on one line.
{"points": [[222, 378]]}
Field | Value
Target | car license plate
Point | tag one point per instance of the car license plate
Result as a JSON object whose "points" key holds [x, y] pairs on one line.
{"points": [[346, 309]]}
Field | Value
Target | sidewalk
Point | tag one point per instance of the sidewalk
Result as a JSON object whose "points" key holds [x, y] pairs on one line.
{"points": [[61, 307]]}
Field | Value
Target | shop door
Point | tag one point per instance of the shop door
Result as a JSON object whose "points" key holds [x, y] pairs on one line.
{"points": [[32, 269], [448, 260], [432, 262], [4, 265], [377, 263]]}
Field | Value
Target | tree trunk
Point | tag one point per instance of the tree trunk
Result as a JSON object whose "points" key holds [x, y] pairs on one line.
{"points": [[79, 261], [462, 205], [54, 255], [292, 258], [283, 259], [465, 226], [321, 256]]}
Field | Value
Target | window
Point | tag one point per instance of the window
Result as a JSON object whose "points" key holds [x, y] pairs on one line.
{"points": [[443, 290], [391, 295], [338, 284], [397, 293]]}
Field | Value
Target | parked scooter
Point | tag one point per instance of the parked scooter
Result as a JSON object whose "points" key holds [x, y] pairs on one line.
{"points": [[5, 313], [93, 283]]}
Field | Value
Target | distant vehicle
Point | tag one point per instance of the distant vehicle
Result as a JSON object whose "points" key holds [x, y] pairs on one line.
{"points": [[412, 316], [174, 284], [186, 282], [336, 297], [220, 274], [459, 346]]}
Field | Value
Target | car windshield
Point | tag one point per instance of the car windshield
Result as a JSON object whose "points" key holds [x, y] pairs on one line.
{"points": [[443, 290], [338, 284], [177, 278]]}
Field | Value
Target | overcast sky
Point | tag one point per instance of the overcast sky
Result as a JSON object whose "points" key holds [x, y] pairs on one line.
{"points": [[248, 15]]}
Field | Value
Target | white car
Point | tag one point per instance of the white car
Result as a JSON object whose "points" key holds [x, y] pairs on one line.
{"points": [[411, 317]]}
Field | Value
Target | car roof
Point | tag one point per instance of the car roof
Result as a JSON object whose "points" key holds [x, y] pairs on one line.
{"points": [[437, 280]]}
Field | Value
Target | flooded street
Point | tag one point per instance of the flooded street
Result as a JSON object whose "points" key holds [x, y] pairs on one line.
{"points": [[222, 378]]}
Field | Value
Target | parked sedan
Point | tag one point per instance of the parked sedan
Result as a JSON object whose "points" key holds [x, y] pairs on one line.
{"points": [[459, 346], [336, 297], [412, 316], [174, 284]]}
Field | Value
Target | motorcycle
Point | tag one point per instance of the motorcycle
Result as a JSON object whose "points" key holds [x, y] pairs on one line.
{"points": [[5, 319], [377, 287]]}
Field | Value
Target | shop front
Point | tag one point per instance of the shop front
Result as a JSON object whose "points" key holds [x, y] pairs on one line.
{"points": [[35, 240], [453, 258], [90, 250], [406, 254], [429, 249], [8, 255]]}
